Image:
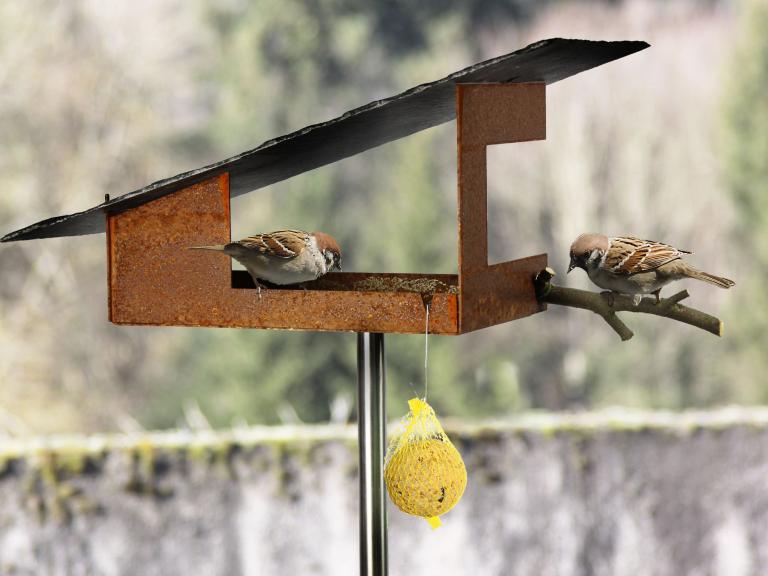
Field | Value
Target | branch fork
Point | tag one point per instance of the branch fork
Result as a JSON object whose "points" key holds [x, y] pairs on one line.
{"points": [[600, 305]]}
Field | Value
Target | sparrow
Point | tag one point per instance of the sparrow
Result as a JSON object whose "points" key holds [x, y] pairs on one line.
{"points": [[285, 256], [628, 265]]}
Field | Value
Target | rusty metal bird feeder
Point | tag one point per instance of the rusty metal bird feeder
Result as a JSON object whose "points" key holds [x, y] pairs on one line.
{"points": [[154, 281]]}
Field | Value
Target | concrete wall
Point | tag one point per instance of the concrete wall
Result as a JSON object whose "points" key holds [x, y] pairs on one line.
{"points": [[602, 494]]}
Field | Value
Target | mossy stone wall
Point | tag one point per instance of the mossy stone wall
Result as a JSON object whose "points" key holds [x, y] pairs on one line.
{"points": [[607, 494]]}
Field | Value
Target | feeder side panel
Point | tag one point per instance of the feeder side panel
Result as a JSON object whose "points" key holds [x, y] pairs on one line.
{"points": [[490, 114], [155, 280]]}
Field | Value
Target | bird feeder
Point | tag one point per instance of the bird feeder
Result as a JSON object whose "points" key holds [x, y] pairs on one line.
{"points": [[153, 280]]}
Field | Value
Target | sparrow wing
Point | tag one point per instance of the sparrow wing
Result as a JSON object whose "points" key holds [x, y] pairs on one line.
{"points": [[284, 244], [628, 255]]}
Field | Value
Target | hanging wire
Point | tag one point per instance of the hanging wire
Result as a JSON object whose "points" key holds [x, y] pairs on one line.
{"points": [[426, 355]]}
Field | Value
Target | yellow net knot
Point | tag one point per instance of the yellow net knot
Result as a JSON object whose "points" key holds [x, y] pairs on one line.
{"points": [[424, 473], [417, 405]]}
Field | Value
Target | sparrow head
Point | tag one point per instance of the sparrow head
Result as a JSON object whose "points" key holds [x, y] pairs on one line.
{"points": [[330, 250], [587, 251]]}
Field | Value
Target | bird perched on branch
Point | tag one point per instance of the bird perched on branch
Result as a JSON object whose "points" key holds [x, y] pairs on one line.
{"points": [[285, 256], [632, 266]]}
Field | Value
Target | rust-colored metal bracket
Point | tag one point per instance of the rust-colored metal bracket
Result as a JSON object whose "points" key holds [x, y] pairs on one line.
{"points": [[488, 114], [155, 280]]}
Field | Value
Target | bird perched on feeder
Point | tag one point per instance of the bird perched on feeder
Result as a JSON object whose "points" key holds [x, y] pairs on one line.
{"points": [[628, 265], [285, 256]]}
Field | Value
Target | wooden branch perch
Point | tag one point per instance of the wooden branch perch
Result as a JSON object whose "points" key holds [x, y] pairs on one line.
{"points": [[607, 306]]}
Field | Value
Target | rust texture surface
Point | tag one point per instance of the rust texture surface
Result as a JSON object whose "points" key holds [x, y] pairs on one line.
{"points": [[155, 280], [490, 114]]}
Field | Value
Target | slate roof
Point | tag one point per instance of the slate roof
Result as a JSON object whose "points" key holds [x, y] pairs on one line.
{"points": [[353, 132]]}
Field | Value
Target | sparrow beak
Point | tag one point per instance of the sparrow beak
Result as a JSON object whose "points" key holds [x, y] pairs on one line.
{"points": [[571, 266]]}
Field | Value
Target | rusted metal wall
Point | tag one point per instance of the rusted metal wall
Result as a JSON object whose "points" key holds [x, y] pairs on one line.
{"points": [[155, 280], [490, 114]]}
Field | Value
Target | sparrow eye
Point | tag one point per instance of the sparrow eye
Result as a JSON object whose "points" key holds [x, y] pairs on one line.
{"points": [[586, 254]]}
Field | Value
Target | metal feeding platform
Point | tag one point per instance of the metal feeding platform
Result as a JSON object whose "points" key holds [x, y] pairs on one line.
{"points": [[153, 280]]}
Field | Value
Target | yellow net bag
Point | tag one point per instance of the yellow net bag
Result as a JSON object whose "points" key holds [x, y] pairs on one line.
{"points": [[424, 472]]}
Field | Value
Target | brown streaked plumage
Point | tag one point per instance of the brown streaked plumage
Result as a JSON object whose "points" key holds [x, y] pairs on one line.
{"points": [[630, 265], [284, 256], [629, 255], [279, 244]]}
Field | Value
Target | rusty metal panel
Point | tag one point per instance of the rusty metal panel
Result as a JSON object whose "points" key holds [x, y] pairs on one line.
{"points": [[155, 280], [501, 293], [492, 114]]}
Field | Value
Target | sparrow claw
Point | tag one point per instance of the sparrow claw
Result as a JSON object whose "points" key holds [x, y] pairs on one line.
{"points": [[657, 293]]}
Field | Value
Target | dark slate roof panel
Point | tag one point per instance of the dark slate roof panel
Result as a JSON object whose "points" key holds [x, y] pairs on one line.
{"points": [[355, 131]]}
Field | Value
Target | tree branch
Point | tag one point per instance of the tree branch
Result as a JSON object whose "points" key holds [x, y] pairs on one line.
{"points": [[607, 306]]}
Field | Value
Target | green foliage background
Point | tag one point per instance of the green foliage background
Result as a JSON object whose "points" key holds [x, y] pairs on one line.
{"points": [[671, 144], [745, 153]]}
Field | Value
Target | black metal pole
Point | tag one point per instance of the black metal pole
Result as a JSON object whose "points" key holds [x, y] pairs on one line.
{"points": [[372, 432]]}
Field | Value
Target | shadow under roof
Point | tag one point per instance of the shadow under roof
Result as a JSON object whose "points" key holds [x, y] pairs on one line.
{"points": [[361, 129]]}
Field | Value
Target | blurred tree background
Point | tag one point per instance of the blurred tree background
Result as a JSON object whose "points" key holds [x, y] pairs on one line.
{"points": [[671, 143]]}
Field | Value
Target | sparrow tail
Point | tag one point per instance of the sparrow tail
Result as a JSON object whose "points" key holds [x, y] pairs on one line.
{"points": [[711, 278], [218, 248]]}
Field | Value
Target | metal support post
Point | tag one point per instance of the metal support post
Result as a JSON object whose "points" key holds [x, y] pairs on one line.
{"points": [[372, 432]]}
